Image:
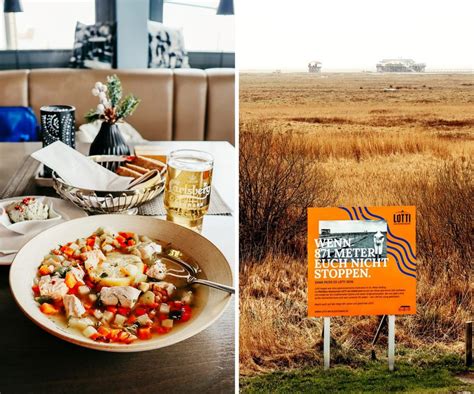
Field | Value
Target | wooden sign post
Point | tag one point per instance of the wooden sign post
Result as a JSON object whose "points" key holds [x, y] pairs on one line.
{"points": [[327, 342], [391, 342], [469, 344], [361, 261]]}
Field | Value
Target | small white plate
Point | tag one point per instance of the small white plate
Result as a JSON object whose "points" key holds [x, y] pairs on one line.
{"points": [[29, 226], [13, 241]]}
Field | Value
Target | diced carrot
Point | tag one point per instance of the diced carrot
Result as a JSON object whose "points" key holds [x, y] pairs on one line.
{"points": [[90, 241], [95, 336], [111, 308], [126, 234], [104, 331], [140, 311], [121, 240], [132, 319], [123, 311], [75, 289], [162, 330], [48, 309], [144, 333], [44, 270], [87, 304], [185, 317], [123, 336], [36, 290], [67, 251], [114, 332], [88, 248], [70, 280]]}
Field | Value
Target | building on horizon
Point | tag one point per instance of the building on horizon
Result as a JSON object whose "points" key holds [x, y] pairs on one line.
{"points": [[400, 65], [314, 66]]}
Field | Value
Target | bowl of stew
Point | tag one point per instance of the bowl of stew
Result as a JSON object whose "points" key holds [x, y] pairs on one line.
{"points": [[99, 282]]}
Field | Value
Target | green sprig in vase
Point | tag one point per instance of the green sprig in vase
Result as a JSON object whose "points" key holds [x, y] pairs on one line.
{"points": [[111, 109]]}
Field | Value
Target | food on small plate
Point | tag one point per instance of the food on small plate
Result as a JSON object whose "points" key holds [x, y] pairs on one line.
{"points": [[28, 208], [111, 287], [136, 166]]}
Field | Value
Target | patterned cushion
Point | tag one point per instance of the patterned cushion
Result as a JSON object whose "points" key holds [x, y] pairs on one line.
{"points": [[94, 46], [166, 47]]}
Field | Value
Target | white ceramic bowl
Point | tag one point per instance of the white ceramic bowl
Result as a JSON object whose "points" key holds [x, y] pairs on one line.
{"points": [[209, 258]]}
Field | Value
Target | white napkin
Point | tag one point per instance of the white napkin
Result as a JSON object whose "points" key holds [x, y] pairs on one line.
{"points": [[78, 170], [88, 131]]}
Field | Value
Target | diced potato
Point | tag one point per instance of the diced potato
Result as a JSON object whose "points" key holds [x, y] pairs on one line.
{"points": [[107, 248], [93, 297], [89, 331], [74, 246], [81, 324], [83, 290], [147, 298], [164, 308], [109, 240], [144, 320], [98, 314], [119, 319], [168, 323], [140, 278], [51, 261], [187, 298], [144, 286], [107, 316]]}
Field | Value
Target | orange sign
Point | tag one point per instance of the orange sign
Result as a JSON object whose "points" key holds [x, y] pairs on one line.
{"points": [[361, 261]]}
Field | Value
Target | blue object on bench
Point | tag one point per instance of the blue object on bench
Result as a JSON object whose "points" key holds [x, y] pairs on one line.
{"points": [[18, 124]]}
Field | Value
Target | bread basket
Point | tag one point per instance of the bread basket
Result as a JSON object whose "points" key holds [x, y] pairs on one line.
{"points": [[105, 202]]}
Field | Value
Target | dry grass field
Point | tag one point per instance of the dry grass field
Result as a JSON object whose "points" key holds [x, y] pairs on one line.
{"points": [[355, 140]]}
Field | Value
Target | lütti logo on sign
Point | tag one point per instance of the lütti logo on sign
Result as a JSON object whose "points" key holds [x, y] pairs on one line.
{"points": [[401, 217]]}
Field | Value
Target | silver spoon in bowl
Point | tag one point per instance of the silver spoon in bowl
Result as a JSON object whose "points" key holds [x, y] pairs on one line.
{"points": [[189, 273]]}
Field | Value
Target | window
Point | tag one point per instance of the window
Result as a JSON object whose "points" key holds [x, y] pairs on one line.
{"points": [[50, 24], [3, 38], [203, 30]]}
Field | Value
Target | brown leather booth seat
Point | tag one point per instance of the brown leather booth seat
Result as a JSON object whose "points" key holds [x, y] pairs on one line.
{"points": [[188, 104]]}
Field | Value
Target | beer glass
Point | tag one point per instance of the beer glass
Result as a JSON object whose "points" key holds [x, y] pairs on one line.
{"points": [[188, 187]]}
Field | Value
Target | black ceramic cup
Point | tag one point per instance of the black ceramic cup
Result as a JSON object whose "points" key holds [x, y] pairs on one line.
{"points": [[57, 124]]}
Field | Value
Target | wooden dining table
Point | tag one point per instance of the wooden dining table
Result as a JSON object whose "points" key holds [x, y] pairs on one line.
{"points": [[34, 361]]}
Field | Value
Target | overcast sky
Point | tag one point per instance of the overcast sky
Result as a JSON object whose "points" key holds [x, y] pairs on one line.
{"points": [[354, 34]]}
